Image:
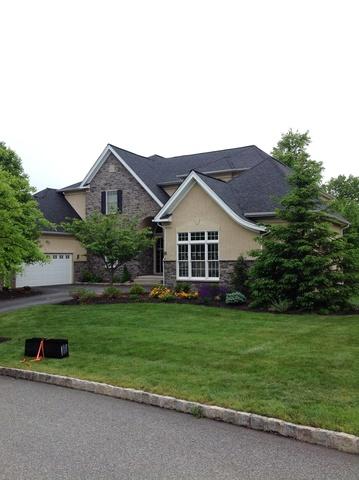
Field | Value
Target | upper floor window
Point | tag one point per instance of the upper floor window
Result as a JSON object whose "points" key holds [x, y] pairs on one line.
{"points": [[111, 201]]}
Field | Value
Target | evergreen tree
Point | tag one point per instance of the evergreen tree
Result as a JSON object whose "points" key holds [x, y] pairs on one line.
{"points": [[302, 261]]}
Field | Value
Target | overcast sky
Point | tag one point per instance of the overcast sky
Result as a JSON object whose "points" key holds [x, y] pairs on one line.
{"points": [[175, 77]]}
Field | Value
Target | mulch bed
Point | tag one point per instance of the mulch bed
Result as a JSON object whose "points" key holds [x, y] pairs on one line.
{"points": [[12, 293]]}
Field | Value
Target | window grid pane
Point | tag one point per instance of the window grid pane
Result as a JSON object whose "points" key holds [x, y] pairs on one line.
{"points": [[198, 236], [183, 237], [198, 269], [213, 251], [213, 269], [212, 235], [182, 252], [198, 251]]}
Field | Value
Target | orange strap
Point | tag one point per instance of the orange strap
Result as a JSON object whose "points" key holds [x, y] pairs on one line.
{"points": [[40, 353], [39, 356]]}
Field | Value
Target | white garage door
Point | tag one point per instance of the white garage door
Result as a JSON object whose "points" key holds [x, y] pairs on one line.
{"points": [[57, 272]]}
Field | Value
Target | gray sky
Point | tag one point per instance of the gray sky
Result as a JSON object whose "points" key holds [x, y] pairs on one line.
{"points": [[175, 77]]}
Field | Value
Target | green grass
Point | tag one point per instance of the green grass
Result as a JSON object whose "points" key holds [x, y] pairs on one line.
{"points": [[301, 368]]}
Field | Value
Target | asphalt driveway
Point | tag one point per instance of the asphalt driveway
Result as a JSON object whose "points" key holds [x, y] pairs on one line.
{"points": [[49, 432], [47, 295]]}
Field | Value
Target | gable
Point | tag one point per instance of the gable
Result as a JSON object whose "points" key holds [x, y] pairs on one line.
{"points": [[217, 190]]}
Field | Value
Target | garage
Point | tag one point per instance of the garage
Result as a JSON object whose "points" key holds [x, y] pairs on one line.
{"points": [[58, 271]]}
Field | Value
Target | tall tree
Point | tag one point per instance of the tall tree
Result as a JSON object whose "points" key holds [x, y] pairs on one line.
{"points": [[345, 191], [302, 261], [115, 238], [20, 224], [292, 148], [10, 161], [344, 188]]}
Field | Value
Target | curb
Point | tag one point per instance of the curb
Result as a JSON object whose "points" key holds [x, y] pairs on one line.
{"points": [[318, 436]]}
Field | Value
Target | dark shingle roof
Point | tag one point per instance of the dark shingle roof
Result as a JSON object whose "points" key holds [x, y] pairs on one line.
{"points": [[74, 186], [54, 206]]}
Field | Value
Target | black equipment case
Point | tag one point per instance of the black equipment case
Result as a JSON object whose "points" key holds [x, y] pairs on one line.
{"points": [[53, 347]]}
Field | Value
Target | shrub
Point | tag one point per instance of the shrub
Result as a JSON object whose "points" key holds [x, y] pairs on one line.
{"points": [[90, 277], [126, 276], [137, 290], [183, 287], [111, 292], [235, 298], [280, 306], [187, 295], [158, 290], [83, 295], [209, 292], [239, 276], [167, 297]]}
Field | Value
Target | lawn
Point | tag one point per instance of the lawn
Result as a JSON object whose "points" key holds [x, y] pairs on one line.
{"points": [[301, 368]]}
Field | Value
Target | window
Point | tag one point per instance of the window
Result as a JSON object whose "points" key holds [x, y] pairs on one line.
{"points": [[111, 201], [197, 255]]}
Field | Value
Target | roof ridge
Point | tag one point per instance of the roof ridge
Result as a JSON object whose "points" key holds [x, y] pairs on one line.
{"points": [[128, 151], [210, 151]]}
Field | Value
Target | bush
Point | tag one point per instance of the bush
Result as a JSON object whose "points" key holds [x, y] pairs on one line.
{"points": [[235, 298], [126, 276], [280, 306], [183, 287], [167, 297], [89, 277], [111, 292], [187, 295], [159, 290], [210, 292], [239, 276], [83, 295], [137, 290]]}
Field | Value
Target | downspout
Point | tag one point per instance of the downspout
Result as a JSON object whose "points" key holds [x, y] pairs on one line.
{"points": [[164, 252]]}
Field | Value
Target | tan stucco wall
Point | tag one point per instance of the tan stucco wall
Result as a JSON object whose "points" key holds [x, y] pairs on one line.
{"points": [[78, 202], [198, 212], [170, 190], [62, 244]]}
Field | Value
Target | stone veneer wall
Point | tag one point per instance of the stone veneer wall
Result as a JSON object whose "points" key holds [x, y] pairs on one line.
{"points": [[135, 202], [226, 269]]}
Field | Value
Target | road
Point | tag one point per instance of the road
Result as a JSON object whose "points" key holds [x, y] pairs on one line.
{"points": [[50, 432]]}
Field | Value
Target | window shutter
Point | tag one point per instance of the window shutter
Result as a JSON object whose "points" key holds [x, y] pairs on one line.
{"points": [[119, 200], [103, 203]]}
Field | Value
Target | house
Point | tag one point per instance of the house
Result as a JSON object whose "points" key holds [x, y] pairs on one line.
{"points": [[205, 210]]}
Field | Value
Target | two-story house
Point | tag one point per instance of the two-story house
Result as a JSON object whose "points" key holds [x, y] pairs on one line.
{"points": [[205, 210]]}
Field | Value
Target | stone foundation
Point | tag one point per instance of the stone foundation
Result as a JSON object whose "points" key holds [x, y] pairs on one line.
{"points": [[225, 268]]}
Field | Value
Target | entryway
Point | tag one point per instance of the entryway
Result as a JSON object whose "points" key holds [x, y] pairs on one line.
{"points": [[158, 256]]}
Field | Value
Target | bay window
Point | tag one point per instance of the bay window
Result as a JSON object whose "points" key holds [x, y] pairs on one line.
{"points": [[197, 255]]}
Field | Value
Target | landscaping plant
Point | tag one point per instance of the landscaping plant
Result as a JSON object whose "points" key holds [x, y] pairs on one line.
{"points": [[137, 290], [235, 298], [302, 261], [115, 238]]}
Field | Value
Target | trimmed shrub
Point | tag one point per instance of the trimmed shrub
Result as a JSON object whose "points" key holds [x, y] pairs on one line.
{"points": [[210, 292], [83, 295], [183, 287], [89, 277], [126, 276], [111, 292], [235, 298], [239, 276], [280, 306], [137, 290]]}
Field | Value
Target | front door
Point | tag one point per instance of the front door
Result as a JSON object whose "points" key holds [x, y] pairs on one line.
{"points": [[158, 250]]}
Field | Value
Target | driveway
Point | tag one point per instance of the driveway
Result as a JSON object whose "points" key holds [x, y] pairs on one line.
{"points": [[47, 295], [49, 432]]}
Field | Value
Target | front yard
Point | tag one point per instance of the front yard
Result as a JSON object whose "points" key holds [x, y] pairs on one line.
{"points": [[301, 368]]}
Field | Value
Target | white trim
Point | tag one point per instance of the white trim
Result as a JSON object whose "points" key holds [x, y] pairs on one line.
{"points": [[95, 167], [100, 162], [186, 186]]}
